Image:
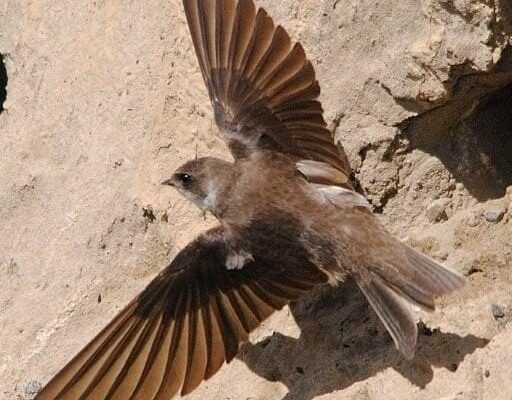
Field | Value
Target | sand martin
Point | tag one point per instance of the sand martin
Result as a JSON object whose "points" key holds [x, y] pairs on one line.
{"points": [[288, 217]]}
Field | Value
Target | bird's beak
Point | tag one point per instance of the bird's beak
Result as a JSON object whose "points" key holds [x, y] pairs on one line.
{"points": [[168, 182]]}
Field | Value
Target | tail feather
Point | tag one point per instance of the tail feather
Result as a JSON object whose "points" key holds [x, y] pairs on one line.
{"points": [[419, 282], [437, 278], [393, 312]]}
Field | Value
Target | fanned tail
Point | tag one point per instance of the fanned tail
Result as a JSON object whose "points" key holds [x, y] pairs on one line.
{"points": [[390, 291]]}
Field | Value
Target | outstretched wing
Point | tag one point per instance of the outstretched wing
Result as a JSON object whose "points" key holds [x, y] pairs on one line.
{"points": [[182, 327], [263, 89]]}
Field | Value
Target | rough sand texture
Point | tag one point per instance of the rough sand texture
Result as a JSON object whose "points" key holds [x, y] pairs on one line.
{"points": [[105, 98]]}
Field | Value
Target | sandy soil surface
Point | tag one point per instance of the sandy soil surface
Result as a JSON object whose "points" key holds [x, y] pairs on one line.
{"points": [[104, 99]]}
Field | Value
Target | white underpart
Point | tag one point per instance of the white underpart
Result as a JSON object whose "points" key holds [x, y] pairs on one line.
{"points": [[248, 140], [237, 260], [211, 198], [192, 197], [342, 197], [347, 230], [334, 276]]}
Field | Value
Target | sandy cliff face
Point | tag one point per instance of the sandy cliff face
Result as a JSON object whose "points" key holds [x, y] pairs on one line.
{"points": [[104, 99]]}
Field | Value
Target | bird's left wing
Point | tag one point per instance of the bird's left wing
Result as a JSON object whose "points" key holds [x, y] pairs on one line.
{"points": [[182, 327]]}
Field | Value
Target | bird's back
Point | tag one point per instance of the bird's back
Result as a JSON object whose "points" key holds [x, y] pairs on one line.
{"points": [[266, 183]]}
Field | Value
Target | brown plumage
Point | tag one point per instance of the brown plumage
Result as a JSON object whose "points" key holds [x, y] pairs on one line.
{"points": [[289, 221], [262, 87]]}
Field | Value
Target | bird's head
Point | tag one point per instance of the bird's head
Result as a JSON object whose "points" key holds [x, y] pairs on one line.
{"points": [[201, 180]]}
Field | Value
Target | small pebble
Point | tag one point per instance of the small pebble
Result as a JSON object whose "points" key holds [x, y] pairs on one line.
{"points": [[498, 311], [436, 212], [459, 186], [474, 219], [494, 214], [32, 388], [487, 374]]}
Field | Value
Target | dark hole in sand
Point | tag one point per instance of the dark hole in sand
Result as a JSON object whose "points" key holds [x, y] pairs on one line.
{"points": [[478, 150], [472, 134], [3, 83]]}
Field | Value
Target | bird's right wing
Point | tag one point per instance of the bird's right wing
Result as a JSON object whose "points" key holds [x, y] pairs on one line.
{"points": [[182, 327], [262, 87]]}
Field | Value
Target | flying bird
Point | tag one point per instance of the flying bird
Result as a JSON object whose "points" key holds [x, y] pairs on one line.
{"points": [[288, 217]]}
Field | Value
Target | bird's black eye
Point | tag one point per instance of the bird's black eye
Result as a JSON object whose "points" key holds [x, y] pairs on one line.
{"points": [[185, 179]]}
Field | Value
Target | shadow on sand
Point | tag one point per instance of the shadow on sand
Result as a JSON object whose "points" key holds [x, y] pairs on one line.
{"points": [[333, 353]]}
